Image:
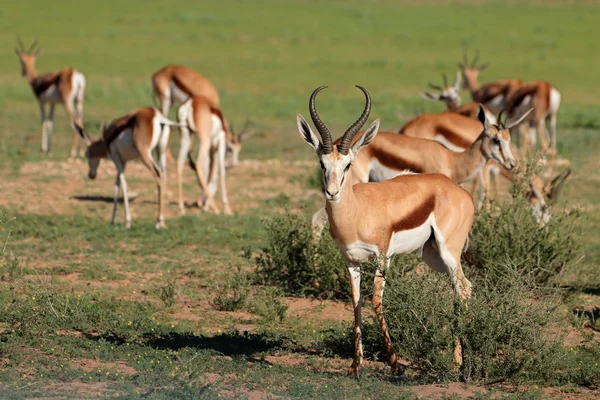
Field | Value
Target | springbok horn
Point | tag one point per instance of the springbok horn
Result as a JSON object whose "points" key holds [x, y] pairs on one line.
{"points": [[327, 141], [475, 59], [445, 78], [35, 42], [354, 128], [557, 184], [433, 86], [20, 43]]}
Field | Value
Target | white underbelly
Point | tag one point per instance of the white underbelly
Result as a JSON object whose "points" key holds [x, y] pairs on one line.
{"points": [[410, 240], [177, 95], [51, 95], [524, 106], [380, 173]]}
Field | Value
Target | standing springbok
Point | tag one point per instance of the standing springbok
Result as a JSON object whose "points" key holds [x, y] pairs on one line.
{"points": [[494, 95], [174, 84], [66, 86], [390, 155], [132, 136], [373, 221], [449, 96], [206, 120], [545, 100]]}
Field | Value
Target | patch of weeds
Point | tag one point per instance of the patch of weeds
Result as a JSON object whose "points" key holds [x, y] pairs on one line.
{"points": [[231, 291], [100, 272], [167, 292], [10, 268], [268, 303], [511, 235]]}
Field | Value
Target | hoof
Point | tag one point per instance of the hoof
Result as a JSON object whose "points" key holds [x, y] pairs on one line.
{"points": [[182, 211], [161, 225], [353, 372], [227, 211], [128, 225], [397, 369]]}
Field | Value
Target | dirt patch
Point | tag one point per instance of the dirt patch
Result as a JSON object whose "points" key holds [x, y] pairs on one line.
{"points": [[93, 365]]}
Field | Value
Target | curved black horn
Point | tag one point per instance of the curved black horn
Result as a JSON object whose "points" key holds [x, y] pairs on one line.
{"points": [[557, 184], [35, 42], [434, 86], [465, 58], [475, 59], [500, 123], [325, 134], [445, 78], [354, 128]]}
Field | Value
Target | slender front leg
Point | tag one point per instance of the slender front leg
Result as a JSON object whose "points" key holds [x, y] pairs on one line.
{"points": [[201, 161], [44, 148], [221, 161], [377, 301], [184, 149], [354, 270], [120, 165], [125, 200], [117, 188], [50, 128]]}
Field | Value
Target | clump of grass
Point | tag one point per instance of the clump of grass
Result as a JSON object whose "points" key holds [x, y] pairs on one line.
{"points": [[167, 292], [231, 291], [268, 303], [511, 235], [10, 268]]}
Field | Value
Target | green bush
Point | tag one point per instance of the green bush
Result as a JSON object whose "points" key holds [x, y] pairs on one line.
{"points": [[231, 291], [511, 235], [268, 303]]}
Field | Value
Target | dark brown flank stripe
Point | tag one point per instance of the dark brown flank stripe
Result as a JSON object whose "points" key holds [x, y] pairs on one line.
{"points": [[416, 217], [393, 161], [453, 138], [43, 82], [117, 126], [180, 86]]}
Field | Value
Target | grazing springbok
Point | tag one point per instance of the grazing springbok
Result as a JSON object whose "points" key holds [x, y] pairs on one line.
{"points": [[374, 221], [449, 96], [132, 136], [206, 120], [494, 95], [545, 100], [390, 155], [175, 84], [66, 86]]}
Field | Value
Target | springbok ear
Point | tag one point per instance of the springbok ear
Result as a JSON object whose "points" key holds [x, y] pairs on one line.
{"points": [[457, 81], [483, 118], [307, 134], [557, 184], [483, 67], [366, 138], [513, 121], [431, 96], [246, 135], [18, 52]]}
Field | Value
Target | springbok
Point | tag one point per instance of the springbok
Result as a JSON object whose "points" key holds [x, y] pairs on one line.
{"points": [[373, 221], [545, 100], [134, 135], [494, 95], [390, 155], [206, 120], [66, 86], [450, 97], [175, 84]]}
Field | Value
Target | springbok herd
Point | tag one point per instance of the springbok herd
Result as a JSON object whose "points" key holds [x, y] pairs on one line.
{"points": [[401, 193]]}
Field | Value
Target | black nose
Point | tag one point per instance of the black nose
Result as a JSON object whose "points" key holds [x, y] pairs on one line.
{"points": [[327, 191], [92, 176]]}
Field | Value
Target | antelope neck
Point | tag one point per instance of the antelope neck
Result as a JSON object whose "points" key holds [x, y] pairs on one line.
{"points": [[343, 213], [469, 162]]}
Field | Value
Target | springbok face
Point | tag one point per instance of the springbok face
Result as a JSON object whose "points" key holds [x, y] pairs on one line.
{"points": [[27, 57], [496, 144], [336, 160], [448, 94], [470, 72], [95, 152], [234, 146], [543, 194]]}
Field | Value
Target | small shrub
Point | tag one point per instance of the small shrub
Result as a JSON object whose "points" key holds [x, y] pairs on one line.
{"points": [[167, 292], [231, 291], [268, 303], [511, 235]]}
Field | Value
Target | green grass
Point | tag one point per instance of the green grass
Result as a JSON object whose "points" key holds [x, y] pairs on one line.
{"points": [[265, 58]]}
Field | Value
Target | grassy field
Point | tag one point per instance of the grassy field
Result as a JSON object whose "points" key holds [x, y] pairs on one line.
{"points": [[104, 311]]}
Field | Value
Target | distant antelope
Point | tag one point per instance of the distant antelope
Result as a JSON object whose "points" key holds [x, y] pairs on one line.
{"points": [[449, 96], [206, 120], [374, 221], [134, 135], [494, 95], [545, 100], [390, 155], [66, 86], [174, 84]]}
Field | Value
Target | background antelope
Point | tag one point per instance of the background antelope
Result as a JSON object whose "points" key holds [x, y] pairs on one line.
{"points": [[370, 221], [134, 135], [448, 94], [494, 95], [66, 86], [206, 120]]}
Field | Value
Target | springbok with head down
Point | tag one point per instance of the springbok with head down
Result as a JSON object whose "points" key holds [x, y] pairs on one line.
{"points": [[373, 221], [134, 135], [66, 86]]}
